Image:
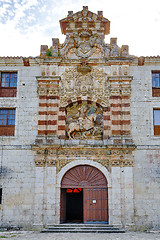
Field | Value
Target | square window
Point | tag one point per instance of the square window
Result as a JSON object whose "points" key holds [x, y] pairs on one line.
{"points": [[7, 122], [8, 84]]}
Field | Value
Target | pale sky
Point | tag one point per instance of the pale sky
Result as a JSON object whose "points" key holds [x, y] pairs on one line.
{"points": [[27, 24]]}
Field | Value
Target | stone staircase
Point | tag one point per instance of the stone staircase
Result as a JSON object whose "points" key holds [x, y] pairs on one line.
{"points": [[82, 228]]}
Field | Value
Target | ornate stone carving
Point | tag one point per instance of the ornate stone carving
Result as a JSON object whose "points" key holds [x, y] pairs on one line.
{"points": [[76, 84], [84, 121], [42, 91], [53, 92], [120, 85], [83, 44], [40, 161], [118, 162], [48, 85], [58, 156], [51, 162], [126, 91], [115, 92], [84, 68]]}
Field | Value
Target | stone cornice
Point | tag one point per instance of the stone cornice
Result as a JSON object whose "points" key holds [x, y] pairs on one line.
{"points": [[20, 61]]}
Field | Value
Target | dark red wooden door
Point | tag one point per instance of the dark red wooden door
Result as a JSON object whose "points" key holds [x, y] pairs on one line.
{"points": [[95, 192], [95, 204]]}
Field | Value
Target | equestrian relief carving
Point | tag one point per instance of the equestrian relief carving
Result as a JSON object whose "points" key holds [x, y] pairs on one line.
{"points": [[84, 121]]}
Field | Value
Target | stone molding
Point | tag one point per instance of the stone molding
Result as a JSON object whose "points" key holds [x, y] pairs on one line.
{"points": [[59, 156]]}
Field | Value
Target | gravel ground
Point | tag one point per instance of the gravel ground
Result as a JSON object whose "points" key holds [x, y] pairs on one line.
{"points": [[25, 235]]}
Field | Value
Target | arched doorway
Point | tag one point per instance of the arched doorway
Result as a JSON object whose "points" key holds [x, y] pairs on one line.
{"points": [[84, 195]]}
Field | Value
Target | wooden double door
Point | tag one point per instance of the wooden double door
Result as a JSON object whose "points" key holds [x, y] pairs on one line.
{"points": [[84, 196]]}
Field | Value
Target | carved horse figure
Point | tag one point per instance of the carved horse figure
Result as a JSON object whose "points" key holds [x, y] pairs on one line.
{"points": [[82, 125]]}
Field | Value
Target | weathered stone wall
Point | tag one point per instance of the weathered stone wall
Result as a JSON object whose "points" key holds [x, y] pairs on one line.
{"points": [[17, 182], [147, 187], [142, 104], [147, 160], [17, 172]]}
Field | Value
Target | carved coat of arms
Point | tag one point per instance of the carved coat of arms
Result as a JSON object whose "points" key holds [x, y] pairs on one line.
{"points": [[84, 49]]}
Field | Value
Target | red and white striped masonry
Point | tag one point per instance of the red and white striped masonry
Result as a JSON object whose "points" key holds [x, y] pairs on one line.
{"points": [[48, 115], [48, 105], [120, 115]]}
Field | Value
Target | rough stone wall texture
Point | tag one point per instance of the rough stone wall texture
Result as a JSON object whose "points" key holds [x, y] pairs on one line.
{"points": [[146, 161], [17, 172], [147, 187], [17, 181]]}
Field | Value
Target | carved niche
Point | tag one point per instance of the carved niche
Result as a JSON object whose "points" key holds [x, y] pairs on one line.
{"points": [[84, 121]]}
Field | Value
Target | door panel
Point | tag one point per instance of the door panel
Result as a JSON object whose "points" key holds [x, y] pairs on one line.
{"points": [[63, 206], [95, 205]]}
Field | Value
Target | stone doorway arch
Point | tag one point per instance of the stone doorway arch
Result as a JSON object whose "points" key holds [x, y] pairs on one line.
{"points": [[84, 188]]}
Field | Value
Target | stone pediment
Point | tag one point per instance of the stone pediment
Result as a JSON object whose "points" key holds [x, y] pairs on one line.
{"points": [[85, 19], [85, 32]]}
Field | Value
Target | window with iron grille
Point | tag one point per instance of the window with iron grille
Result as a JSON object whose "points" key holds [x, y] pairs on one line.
{"points": [[7, 122], [8, 84], [156, 83]]}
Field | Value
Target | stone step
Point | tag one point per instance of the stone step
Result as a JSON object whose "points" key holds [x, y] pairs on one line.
{"points": [[85, 228], [82, 228], [79, 225], [83, 231]]}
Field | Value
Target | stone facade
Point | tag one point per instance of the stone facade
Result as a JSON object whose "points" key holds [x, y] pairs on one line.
{"points": [[83, 102]]}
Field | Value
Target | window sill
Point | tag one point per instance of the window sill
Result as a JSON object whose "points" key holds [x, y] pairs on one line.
{"points": [[155, 137], [9, 136]]}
